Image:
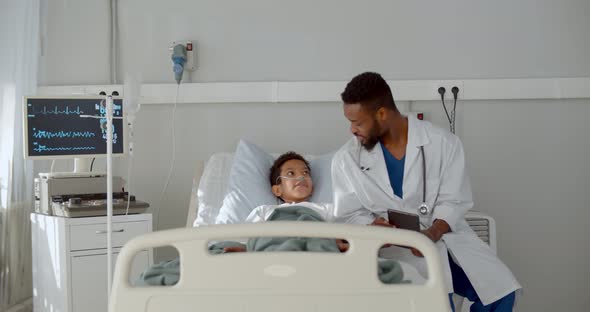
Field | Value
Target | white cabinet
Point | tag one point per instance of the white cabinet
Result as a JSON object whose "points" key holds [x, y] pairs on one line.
{"points": [[70, 259], [92, 296]]}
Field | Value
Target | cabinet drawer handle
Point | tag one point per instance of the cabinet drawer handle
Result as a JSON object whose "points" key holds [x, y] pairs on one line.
{"points": [[114, 231]]}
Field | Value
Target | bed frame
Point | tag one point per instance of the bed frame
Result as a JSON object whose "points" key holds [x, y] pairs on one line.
{"points": [[279, 281], [185, 294]]}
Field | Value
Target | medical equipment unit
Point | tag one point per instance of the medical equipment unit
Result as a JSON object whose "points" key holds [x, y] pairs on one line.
{"points": [[71, 127], [74, 127], [69, 262], [183, 58], [82, 196], [68, 226]]}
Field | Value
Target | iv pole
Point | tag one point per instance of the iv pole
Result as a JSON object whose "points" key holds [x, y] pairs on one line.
{"points": [[109, 117], [109, 129]]}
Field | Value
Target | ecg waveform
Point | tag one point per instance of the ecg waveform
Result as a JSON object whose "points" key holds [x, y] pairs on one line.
{"points": [[41, 134], [58, 127], [56, 111], [44, 148]]}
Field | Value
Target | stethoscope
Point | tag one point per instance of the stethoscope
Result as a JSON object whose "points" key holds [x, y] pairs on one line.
{"points": [[424, 209]]}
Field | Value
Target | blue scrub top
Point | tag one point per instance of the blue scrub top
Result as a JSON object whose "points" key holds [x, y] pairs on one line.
{"points": [[395, 170]]}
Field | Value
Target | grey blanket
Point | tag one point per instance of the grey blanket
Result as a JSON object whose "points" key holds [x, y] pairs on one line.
{"points": [[167, 272]]}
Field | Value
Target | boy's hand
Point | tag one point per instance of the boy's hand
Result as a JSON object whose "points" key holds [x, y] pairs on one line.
{"points": [[234, 249], [416, 252], [342, 244]]}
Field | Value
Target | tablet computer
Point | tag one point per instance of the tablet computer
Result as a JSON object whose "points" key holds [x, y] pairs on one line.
{"points": [[404, 220]]}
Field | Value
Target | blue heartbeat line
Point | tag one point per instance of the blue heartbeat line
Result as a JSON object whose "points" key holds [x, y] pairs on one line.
{"points": [[63, 134], [56, 111], [43, 148]]}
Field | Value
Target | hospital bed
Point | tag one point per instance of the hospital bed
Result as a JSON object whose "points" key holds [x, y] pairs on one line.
{"points": [[280, 281]]}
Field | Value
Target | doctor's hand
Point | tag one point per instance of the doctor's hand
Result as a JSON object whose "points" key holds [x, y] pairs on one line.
{"points": [[379, 221], [437, 230], [435, 233]]}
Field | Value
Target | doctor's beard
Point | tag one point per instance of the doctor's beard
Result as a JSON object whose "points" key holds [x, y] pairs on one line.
{"points": [[372, 138], [369, 143]]}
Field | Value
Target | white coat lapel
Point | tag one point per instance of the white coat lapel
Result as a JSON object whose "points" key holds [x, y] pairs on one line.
{"points": [[375, 161], [417, 137], [378, 171]]}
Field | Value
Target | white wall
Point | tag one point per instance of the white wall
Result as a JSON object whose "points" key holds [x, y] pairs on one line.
{"points": [[260, 40], [526, 158]]}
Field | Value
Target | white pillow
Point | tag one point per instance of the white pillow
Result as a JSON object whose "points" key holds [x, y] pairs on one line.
{"points": [[321, 173], [212, 188], [249, 187]]}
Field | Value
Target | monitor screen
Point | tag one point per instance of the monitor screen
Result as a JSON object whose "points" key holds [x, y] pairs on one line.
{"points": [[55, 127]]}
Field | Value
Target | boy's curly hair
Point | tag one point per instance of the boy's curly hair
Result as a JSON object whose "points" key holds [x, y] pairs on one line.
{"points": [[275, 170]]}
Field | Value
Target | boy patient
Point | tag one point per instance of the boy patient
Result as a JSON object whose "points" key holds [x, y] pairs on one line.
{"points": [[291, 181]]}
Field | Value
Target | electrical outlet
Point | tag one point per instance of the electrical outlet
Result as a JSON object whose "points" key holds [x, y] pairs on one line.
{"points": [[191, 54], [418, 115]]}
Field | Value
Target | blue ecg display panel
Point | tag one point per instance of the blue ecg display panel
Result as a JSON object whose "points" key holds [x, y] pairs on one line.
{"points": [[55, 127]]}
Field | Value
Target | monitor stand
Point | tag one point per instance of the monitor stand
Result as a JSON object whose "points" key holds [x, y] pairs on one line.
{"points": [[81, 170]]}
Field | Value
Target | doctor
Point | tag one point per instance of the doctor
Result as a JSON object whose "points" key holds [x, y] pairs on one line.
{"points": [[402, 163]]}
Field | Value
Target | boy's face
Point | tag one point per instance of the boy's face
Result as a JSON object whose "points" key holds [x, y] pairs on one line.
{"points": [[295, 189]]}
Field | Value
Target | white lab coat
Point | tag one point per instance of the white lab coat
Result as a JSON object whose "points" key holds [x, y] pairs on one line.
{"points": [[361, 195]]}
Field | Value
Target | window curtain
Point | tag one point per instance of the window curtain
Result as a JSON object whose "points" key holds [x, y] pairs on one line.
{"points": [[19, 55]]}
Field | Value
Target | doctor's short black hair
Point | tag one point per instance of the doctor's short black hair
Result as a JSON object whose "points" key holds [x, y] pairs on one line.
{"points": [[369, 90], [275, 170]]}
